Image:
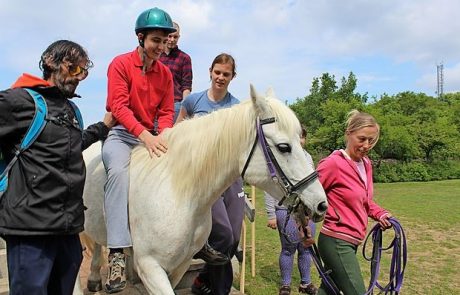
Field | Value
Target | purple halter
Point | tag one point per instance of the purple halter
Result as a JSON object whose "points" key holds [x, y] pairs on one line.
{"points": [[290, 190]]}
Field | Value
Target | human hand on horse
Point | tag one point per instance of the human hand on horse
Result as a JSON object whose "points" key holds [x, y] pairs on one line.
{"points": [[109, 120], [272, 223], [154, 144], [384, 221]]}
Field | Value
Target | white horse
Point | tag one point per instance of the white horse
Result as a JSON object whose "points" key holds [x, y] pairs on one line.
{"points": [[171, 196]]}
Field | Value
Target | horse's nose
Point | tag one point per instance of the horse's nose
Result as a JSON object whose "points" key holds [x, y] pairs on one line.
{"points": [[322, 207]]}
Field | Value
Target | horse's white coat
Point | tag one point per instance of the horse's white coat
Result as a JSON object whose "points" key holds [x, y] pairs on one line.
{"points": [[171, 196]]}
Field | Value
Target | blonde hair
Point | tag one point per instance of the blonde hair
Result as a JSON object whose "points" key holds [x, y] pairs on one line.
{"points": [[212, 139], [357, 120]]}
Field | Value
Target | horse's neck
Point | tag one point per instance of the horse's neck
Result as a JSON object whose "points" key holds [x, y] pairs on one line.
{"points": [[215, 161]]}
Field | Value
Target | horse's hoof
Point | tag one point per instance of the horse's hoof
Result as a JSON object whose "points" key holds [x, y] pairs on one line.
{"points": [[94, 286]]}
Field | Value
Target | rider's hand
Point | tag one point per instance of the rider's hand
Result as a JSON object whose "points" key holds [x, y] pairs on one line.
{"points": [[154, 144]]}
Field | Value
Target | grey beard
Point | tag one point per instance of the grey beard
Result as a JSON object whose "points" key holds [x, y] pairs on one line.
{"points": [[67, 90]]}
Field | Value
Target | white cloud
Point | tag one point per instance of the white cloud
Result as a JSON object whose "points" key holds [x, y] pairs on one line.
{"points": [[283, 43]]}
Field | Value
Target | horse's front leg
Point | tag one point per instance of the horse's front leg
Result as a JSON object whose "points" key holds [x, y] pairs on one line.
{"points": [[94, 283], [153, 276]]}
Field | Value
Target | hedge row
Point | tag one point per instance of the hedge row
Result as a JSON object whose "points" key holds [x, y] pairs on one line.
{"points": [[416, 171]]}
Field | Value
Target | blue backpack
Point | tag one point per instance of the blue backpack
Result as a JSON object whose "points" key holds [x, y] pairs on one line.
{"points": [[35, 128]]}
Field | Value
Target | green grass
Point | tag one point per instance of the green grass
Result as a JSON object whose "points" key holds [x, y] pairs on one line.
{"points": [[430, 215]]}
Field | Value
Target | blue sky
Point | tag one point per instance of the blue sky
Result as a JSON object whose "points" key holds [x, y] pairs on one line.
{"points": [[391, 46]]}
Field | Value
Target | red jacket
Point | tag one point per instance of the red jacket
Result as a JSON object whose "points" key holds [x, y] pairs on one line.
{"points": [[350, 202], [135, 98]]}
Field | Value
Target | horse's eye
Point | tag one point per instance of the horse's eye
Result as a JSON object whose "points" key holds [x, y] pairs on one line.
{"points": [[283, 147]]}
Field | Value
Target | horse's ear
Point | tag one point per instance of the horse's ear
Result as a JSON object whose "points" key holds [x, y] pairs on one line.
{"points": [[270, 93], [259, 102]]}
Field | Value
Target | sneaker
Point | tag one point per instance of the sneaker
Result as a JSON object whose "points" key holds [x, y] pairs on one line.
{"points": [[308, 289], [211, 256], [285, 290], [116, 278], [200, 288]]}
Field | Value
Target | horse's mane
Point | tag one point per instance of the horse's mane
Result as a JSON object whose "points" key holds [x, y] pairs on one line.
{"points": [[199, 149]]}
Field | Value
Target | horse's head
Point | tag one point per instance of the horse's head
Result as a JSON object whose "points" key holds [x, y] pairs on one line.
{"points": [[276, 162]]}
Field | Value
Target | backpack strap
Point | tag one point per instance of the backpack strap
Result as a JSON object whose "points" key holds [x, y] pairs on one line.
{"points": [[77, 114], [38, 122], [35, 128]]}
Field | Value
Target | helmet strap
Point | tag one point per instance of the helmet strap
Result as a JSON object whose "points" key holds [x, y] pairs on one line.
{"points": [[140, 38]]}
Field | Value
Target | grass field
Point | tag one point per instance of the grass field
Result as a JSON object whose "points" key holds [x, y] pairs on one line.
{"points": [[430, 215]]}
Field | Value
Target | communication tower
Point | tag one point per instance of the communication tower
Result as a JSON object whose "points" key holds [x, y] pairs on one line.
{"points": [[440, 76]]}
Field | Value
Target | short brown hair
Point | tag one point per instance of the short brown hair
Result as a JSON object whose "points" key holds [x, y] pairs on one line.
{"points": [[225, 58]]}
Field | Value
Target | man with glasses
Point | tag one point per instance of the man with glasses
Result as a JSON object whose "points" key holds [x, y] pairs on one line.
{"points": [[41, 211]]}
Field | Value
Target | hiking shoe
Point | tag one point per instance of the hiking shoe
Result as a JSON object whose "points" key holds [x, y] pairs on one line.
{"points": [[285, 290], [200, 288], [116, 277], [308, 289], [211, 256]]}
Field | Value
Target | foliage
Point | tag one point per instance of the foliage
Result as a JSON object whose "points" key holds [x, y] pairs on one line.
{"points": [[417, 131], [427, 213]]}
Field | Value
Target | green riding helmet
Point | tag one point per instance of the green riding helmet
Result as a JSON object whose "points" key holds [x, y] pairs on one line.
{"points": [[154, 18]]}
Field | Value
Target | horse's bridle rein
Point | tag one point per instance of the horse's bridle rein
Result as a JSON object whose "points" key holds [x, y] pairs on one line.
{"points": [[291, 195]]}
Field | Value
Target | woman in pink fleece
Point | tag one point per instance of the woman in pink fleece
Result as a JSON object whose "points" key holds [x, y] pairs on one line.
{"points": [[346, 176]]}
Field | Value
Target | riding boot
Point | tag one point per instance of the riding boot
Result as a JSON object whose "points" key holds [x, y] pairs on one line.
{"points": [[211, 256]]}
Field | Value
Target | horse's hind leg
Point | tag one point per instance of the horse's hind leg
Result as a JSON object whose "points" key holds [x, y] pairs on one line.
{"points": [[94, 279], [153, 276], [178, 273]]}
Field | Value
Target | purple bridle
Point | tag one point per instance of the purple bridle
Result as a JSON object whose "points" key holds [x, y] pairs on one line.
{"points": [[290, 190]]}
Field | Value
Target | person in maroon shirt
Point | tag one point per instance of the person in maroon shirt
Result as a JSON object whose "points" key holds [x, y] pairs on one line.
{"points": [[180, 65], [140, 88]]}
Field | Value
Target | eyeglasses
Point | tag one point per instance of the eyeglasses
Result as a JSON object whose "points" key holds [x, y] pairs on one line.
{"points": [[77, 70]]}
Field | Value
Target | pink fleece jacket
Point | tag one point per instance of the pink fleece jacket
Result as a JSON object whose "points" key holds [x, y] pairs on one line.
{"points": [[350, 200]]}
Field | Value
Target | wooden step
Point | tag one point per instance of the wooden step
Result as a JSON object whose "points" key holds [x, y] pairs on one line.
{"points": [[3, 273], [188, 291], [3, 266]]}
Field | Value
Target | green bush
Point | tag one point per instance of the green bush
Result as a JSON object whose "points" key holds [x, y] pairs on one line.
{"points": [[414, 171], [395, 171], [386, 172]]}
